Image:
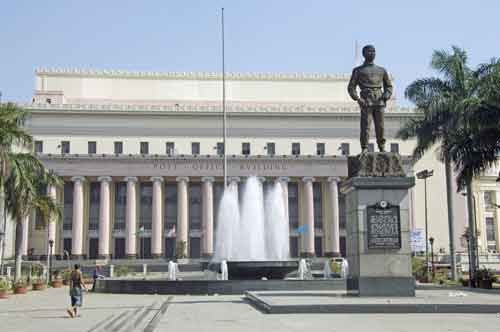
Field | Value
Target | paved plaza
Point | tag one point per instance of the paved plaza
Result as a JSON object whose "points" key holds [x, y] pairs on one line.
{"points": [[45, 311]]}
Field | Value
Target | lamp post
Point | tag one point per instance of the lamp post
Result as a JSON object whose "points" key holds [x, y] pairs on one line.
{"points": [[51, 246], [467, 238], [423, 175], [431, 241]]}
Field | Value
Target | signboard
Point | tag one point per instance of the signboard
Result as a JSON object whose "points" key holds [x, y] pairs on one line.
{"points": [[383, 226], [418, 240]]}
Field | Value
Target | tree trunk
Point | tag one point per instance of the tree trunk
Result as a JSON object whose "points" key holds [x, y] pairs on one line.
{"points": [[451, 231], [19, 247], [472, 225], [3, 217]]}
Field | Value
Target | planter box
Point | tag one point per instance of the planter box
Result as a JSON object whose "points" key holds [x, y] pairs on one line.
{"points": [[57, 283], [4, 294], [39, 286], [20, 289], [485, 284]]}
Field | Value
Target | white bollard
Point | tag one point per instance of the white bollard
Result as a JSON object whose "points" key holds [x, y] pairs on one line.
{"points": [[9, 272], [145, 269], [111, 271]]}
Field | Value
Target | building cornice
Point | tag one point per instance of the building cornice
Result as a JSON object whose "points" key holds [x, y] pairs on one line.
{"points": [[280, 109], [124, 74]]}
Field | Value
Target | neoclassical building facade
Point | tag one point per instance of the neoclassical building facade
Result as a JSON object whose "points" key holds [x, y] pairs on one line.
{"points": [[141, 159]]}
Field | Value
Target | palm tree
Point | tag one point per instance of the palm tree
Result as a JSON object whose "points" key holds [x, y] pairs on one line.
{"points": [[446, 104], [11, 134], [22, 176], [23, 197]]}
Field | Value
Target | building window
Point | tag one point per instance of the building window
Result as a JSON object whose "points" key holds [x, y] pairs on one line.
{"points": [[318, 205], [320, 149], [195, 206], [488, 199], [120, 205], [220, 148], [490, 233], [293, 204], [170, 203], [144, 148], [65, 147], [395, 147], [344, 148], [195, 148], [371, 147], [295, 149], [68, 206], [146, 194], [38, 146], [118, 147], [271, 149], [92, 147], [245, 149], [170, 148], [95, 195]]}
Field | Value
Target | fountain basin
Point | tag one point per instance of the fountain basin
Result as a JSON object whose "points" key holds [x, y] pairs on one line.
{"points": [[255, 270]]}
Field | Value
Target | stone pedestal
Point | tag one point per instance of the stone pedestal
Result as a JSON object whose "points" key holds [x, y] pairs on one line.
{"points": [[378, 230]]}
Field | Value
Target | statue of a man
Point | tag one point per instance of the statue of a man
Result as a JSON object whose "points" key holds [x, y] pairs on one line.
{"points": [[375, 90]]}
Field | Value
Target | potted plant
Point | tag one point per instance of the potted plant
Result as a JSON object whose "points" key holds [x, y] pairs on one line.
{"points": [[485, 278], [38, 284], [57, 280], [20, 287], [180, 251], [66, 275], [4, 288]]}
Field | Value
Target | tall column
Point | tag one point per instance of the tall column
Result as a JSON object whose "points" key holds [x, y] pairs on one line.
{"points": [[309, 217], [157, 229], [182, 213], [77, 228], [26, 225], [283, 180], [207, 247], [104, 217], [497, 220], [51, 232], [131, 218], [334, 214]]}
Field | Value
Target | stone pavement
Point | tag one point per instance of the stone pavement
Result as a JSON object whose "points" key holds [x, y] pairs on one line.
{"points": [[45, 311]]}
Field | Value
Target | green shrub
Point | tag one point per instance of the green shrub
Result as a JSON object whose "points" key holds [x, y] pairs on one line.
{"points": [[5, 283], [121, 271], [180, 250], [418, 267]]}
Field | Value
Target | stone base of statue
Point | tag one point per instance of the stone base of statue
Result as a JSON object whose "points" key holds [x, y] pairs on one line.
{"points": [[378, 226]]}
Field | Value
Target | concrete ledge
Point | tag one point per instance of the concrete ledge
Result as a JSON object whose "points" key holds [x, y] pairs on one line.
{"points": [[382, 286], [207, 287], [263, 303]]}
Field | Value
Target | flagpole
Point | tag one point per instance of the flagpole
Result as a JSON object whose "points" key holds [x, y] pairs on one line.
{"points": [[224, 117]]}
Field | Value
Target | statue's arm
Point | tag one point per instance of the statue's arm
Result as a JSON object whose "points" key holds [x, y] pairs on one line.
{"points": [[388, 88], [351, 87]]}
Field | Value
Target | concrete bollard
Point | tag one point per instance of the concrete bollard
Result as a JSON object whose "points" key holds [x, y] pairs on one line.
{"points": [[144, 269], [111, 271]]}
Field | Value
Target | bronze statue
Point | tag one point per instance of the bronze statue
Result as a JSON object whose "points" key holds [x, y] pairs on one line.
{"points": [[375, 90]]}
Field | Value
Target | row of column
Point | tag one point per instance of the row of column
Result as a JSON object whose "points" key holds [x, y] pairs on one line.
{"points": [[333, 245]]}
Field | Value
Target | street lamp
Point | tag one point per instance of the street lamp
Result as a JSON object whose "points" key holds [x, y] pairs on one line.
{"points": [[467, 238], [51, 246], [423, 175], [431, 241]]}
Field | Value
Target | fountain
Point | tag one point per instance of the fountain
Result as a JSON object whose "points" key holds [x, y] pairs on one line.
{"points": [[252, 232]]}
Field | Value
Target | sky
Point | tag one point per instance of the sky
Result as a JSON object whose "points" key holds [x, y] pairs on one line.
{"points": [[287, 36]]}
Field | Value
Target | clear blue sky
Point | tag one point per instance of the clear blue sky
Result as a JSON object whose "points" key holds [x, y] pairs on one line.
{"points": [[261, 36]]}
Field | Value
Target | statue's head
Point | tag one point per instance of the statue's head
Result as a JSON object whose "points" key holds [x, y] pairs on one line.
{"points": [[369, 53]]}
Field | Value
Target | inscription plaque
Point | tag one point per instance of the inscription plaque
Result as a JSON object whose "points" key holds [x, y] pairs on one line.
{"points": [[383, 226]]}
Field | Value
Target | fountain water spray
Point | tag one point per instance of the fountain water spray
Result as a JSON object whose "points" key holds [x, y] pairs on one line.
{"points": [[259, 232]]}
